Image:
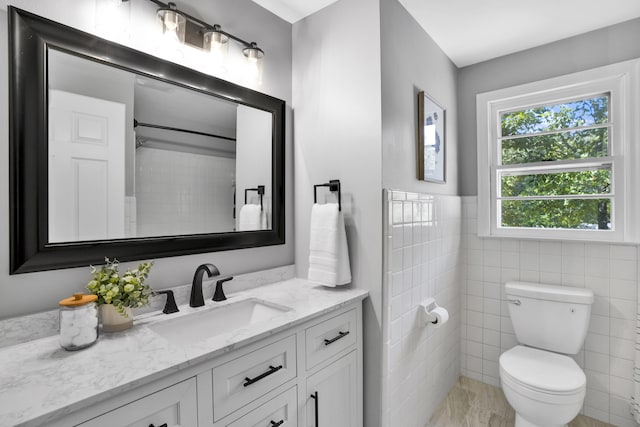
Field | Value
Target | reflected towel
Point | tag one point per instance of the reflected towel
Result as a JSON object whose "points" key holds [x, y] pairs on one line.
{"points": [[252, 217], [328, 251]]}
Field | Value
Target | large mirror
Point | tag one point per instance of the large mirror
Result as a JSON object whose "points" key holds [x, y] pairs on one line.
{"points": [[117, 153]]}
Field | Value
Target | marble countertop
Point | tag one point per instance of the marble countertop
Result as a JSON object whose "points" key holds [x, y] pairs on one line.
{"points": [[40, 381]]}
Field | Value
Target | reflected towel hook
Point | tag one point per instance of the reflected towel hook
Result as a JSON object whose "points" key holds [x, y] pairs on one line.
{"points": [[260, 190], [334, 185]]}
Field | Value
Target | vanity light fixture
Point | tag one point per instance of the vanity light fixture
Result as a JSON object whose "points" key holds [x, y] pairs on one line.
{"points": [[253, 52], [215, 38], [174, 23], [254, 56], [189, 30], [113, 19]]}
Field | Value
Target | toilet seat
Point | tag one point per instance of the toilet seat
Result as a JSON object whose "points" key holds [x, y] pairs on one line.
{"points": [[542, 375]]}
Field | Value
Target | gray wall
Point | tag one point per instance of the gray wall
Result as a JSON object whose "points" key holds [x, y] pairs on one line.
{"points": [[337, 134], [29, 293], [594, 49], [412, 62]]}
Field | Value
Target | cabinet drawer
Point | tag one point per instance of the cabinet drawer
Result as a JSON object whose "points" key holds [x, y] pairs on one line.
{"points": [[330, 337], [174, 406], [242, 380], [281, 411]]}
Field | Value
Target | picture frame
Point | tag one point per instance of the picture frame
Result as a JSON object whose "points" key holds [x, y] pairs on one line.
{"points": [[431, 140]]}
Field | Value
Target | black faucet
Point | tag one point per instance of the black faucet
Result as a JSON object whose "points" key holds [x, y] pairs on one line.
{"points": [[196, 299]]}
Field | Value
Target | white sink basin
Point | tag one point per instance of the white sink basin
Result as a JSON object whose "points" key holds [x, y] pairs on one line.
{"points": [[201, 325]]}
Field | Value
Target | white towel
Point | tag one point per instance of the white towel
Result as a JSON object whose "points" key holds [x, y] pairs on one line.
{"points": [[328, 251], [252, 217]]}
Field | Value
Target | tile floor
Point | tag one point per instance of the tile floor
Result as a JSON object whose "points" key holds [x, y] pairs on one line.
{"points": [[471, 403]]}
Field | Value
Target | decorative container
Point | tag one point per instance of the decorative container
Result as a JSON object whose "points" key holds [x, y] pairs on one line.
{"points": [[113, 320], [78, 321]]}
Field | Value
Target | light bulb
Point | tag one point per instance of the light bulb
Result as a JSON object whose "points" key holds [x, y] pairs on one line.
{"points": [[171, 20], [253, 67], [112, 19], [171, 37], [216, 43]]}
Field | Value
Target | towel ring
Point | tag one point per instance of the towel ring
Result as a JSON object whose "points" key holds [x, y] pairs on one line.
{"points": [[334, 185], [260, 190]]}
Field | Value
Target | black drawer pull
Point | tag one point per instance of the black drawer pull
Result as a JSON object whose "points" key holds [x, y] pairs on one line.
{"points": [[163, 425], [332, 340], [272, 370], [276, 424], [314, 396]]}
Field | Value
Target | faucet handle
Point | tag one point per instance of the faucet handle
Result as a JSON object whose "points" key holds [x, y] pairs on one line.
{"points": [[170, 306], [219, 295]]}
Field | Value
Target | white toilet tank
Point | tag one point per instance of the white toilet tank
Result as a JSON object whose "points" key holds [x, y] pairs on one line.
{"points": [[553, 318]]}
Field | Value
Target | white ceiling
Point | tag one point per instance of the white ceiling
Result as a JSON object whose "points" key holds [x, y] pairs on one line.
{"points": [[471, 31], [293, 10]]}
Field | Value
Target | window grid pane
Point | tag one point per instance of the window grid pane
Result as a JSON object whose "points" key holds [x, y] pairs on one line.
{"points": [[572, 193], [564, 115], [547, 183], [572, 214], [565, 145]]}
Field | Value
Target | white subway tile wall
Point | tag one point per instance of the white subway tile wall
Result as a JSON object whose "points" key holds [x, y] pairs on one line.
{"points": [[422, 246], [610, 270]]}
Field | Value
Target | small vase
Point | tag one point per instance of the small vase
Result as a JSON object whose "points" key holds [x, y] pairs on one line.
{"points": [[113, 321]]}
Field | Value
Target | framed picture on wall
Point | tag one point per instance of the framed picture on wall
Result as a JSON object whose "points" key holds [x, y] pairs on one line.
{"points": [[431, 140]]}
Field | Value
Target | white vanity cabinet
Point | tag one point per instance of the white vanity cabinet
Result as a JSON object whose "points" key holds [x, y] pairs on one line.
{"points": [[333, 394], [170, 407], [267, 383], [334, 372], [281, 411], [244, 379]]}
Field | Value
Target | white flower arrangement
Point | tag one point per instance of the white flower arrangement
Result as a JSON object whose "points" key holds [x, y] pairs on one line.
{"points": [[126, 291]]}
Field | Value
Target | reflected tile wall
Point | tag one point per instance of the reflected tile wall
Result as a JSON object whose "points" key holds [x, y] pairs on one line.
{"points": [[422, 235], [183, 193], [610, 270]]}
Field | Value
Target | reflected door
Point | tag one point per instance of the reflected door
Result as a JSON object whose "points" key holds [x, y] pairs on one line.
{"points": [[86, 168]]}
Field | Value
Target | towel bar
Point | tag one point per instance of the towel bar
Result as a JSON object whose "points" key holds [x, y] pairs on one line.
{"points": [[334, 185], [260, 190]]}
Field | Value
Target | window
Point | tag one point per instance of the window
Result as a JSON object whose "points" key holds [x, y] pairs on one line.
{"points": [[552, 157]]}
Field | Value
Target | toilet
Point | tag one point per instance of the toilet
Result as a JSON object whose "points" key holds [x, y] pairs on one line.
{"points": [[544, 386]]}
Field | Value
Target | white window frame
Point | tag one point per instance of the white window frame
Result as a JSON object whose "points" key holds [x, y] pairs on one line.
{"points": [[621, 82]]}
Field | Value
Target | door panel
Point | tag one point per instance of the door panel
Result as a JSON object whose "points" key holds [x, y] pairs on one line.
{"points": [[86, 168]]}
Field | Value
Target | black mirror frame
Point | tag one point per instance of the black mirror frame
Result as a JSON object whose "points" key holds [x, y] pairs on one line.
{"points": [[30, 37]]}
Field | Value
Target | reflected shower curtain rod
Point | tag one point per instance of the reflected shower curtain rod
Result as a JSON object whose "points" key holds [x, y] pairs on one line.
{"points": [[195, 132]]}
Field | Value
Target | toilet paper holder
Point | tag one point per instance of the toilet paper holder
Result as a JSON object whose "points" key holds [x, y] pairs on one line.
{"points": [[428, 308]]}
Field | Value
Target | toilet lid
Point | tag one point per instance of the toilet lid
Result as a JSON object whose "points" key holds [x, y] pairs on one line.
{"points": [[542, 370]]}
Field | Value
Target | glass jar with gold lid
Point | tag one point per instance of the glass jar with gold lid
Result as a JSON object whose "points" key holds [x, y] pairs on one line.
{"points": [[78, 321]]}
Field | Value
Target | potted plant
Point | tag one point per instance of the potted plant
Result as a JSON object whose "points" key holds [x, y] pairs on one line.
{"points": [[118, 295]]}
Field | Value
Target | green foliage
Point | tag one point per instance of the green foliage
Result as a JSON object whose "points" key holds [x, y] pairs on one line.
{"points": [[126, 291], [569, 145], [565, 213], [564, 142], [557, 184]]}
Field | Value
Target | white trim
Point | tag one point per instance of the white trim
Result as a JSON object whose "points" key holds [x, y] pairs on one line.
{"points": [[554, 132], [621, 80], [563, 197], [561, 165]]}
